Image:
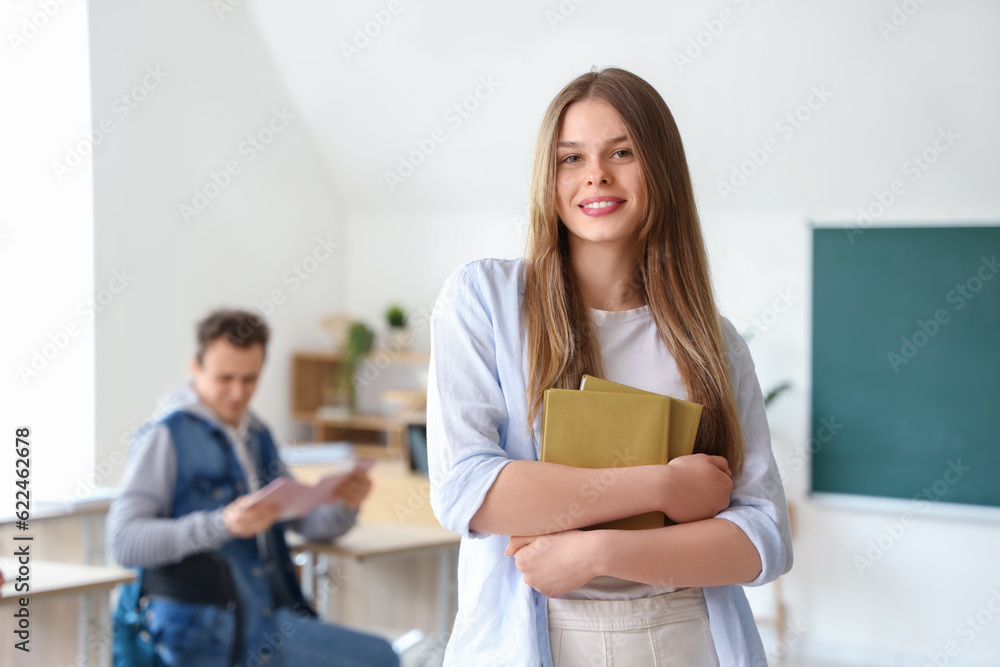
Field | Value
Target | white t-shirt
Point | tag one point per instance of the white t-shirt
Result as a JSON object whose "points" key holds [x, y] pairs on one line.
{"points": [[633, 354]]}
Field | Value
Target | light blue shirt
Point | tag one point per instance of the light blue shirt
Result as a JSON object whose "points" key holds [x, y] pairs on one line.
{"points": [[476, 424]]}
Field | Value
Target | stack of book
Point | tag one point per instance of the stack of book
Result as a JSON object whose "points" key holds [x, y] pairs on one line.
{"points": [[609, 425]]}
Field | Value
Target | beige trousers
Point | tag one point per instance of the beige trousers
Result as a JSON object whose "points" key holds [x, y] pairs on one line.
{"points": [[669, 629]]}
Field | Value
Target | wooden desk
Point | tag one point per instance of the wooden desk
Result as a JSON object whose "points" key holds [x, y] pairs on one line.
{"points": [[90, 584], [90, 510], [395, 522], [382, 541], [399, 495], [49, 579]]}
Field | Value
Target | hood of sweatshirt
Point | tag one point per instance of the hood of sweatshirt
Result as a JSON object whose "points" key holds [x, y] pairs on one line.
{"points": [[182, 396]]}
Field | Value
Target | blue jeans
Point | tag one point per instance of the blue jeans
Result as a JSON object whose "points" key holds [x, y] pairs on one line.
{"points": [[293, 640]]}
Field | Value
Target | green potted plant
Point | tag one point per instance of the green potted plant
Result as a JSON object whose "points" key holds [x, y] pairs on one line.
{"points": [[398, 338], [357, 345]]}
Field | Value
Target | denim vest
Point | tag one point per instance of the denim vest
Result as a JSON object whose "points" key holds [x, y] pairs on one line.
{"points": [[209, 477]]}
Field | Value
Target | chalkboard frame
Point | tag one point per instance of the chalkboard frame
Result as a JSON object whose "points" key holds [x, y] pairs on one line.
{"points": [[931, 504]]}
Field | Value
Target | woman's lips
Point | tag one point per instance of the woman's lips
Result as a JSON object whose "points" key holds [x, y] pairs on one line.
{"points": [[605, 208]]}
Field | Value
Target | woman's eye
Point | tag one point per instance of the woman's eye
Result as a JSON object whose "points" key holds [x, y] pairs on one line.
{"points": [[623, 152], [571, 158]]}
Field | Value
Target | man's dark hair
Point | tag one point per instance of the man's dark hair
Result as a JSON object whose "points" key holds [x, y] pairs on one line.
{"points": [[240, 327]]}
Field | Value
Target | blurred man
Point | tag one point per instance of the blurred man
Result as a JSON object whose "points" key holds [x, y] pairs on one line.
{"points": [[182, 519]]}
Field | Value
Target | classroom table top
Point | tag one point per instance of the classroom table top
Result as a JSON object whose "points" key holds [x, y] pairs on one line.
{"points": [[399, 495], [57, 509], [49, 579], [370, 540]]}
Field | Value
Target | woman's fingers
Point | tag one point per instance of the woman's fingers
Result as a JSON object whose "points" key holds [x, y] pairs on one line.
{"points": [[517, 542]]}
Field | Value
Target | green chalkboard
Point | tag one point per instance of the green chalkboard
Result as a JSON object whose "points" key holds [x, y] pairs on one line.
{"points": [[906, 363]]}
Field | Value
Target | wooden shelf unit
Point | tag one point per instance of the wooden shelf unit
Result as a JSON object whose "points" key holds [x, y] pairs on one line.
{"points": [[313, 372]]}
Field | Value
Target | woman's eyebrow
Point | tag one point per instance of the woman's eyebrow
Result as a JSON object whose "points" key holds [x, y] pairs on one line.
{"points": [[577, 144]]}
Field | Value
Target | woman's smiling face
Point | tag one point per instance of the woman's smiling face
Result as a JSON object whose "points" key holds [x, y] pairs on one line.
{"points": [[599, 192]]}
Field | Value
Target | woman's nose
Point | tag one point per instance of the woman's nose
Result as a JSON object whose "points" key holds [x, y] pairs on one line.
{"points": [[597, 174]]}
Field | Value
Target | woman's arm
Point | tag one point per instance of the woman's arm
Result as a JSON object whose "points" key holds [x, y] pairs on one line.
{"points": [[536, 498], [748, 542], [713, 552], [477, 489]]}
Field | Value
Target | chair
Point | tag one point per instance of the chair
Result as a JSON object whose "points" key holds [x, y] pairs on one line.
{"points": [[417, 443]]}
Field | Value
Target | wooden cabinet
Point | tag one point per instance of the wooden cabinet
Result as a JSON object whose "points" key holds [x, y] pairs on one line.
{"points": [[314, 385]]}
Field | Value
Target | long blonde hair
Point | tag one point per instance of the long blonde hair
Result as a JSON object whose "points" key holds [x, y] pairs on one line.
{"points": [[672, 266]]}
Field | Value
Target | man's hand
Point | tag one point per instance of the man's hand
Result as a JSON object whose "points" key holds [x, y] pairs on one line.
{"points": [[241, 521], [698, 487], [554, 564], [354, 489]]}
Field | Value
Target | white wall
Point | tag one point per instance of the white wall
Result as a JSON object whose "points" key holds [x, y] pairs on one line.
{"points": [[46, 247], [887, 98], [218, 86], [325, 174]]}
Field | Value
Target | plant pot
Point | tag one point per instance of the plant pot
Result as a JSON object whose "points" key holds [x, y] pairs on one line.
{"points": [[398, 339]]}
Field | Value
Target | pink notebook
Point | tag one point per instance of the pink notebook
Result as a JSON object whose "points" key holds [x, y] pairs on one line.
{"points": [[297, 499]]}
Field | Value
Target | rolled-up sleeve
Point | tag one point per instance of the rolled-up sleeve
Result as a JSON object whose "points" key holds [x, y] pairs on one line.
{"points": [[758, 503], [466, 410]]}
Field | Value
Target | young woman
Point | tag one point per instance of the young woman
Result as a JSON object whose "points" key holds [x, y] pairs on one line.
{"points": [[615, 284]]}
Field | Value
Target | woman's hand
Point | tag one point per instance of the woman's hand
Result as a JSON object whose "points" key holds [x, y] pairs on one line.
{"points": [[554, 564], [698, 487]]}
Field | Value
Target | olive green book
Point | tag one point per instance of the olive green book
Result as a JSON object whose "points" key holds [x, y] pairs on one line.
{"points": [[685, 416], [595, 429]]}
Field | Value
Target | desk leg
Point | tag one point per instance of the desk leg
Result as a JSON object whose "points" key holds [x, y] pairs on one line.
{"points": [[443, 578], [309, 575], [97, 526], [83, 612], [88, 540], [104, 616], [323, 607]]}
